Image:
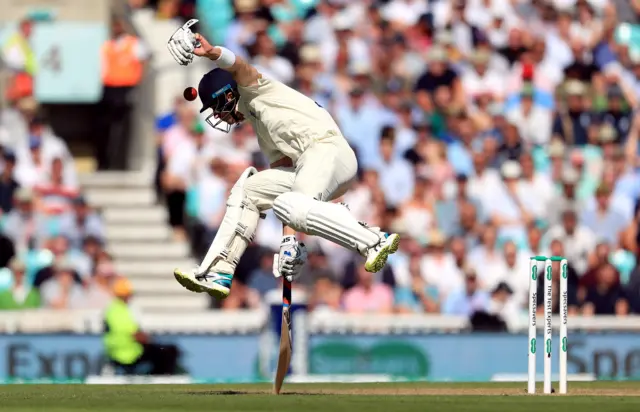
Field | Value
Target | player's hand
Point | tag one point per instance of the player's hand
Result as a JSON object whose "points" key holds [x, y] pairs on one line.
{"points": [[203, 47], [183, 43], [290, 260]]}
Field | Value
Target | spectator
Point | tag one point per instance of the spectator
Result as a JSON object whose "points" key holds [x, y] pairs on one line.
{"points": [[481, 78], [360, 123], [513, 207], [582, 68], [514, 47], [16, 50], [482, 179], [438, 74], [597, 258], [80, 222], [567, 198], [19, 294], [578, 240], [61, 291], [534, 241], [35, 156], [460, 149], [485, 257], [537, 183], [361, 195], [512, 146], [242, 31], [60, 247], [211, 192], [396, 177], [99, 289], [607, 297], [571, 125], [261, 279], [8, 185], [470, 226], [616, 113], [325, 294], [318, 266], [54, 193], [419, 296], [468, 299], [185, 167], [573, 293], [605, 221], [92, 247], [418, 213], [178, 133], [532, 121], [268, 62], [438, 266], [513, 264], [23, 225], [505, 304], [459, 252], [368, 296]]}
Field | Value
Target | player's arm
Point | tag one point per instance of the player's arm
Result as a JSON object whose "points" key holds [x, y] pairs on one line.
{"points": [[243, 72]]}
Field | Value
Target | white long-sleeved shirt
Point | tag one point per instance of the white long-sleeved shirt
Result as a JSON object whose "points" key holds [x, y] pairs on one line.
{"points": [[534, 128]]}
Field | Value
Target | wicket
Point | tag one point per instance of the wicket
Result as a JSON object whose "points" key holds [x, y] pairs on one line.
{"points": [[533, 306]]}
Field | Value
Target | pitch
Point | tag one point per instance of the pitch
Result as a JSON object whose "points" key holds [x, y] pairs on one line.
{"points": [[412, 397]]}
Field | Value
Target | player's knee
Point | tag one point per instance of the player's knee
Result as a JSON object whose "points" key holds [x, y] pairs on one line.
{"points": [[251, 197], [240, 197], [243, 193], [292, 208]]}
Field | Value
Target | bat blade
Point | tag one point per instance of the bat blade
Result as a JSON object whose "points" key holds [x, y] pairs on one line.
{"points": [[284, 358], [286, 348]]}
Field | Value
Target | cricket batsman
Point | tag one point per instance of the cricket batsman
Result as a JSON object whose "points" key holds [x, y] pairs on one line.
{"points": [[311, 163]]}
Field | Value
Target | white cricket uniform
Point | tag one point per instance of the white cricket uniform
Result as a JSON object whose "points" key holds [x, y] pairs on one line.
{"points": [[289, 124]]}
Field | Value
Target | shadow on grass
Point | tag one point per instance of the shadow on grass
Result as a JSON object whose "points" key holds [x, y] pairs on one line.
{"points": [[232, 393]]}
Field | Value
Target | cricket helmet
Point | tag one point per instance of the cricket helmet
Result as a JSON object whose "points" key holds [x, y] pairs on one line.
{"points": [[219, 92]]}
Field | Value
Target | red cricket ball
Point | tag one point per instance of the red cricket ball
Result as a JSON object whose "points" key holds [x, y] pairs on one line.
{"points": [[190, 93]]}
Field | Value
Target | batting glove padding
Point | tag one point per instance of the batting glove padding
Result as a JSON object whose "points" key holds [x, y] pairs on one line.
{"points": [[182, 43], [290, 260]]}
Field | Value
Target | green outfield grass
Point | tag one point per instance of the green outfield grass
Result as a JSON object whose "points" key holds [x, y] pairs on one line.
{"points": [[392, 397]]}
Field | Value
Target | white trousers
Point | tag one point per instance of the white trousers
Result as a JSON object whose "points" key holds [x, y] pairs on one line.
{"points": [[324, 171]]}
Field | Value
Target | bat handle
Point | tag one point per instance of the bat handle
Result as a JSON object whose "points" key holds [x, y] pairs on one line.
{"points": [[286, 291]]}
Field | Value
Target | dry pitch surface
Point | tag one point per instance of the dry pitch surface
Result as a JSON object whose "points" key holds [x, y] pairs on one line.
{"points": [[394, 397]]}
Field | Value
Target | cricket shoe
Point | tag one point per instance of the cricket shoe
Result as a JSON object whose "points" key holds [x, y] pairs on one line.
{"points": [[217, 285], [378, 254]]}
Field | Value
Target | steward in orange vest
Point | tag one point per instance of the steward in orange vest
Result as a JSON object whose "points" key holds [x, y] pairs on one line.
{"points": [[123, 60], [121, 64]]}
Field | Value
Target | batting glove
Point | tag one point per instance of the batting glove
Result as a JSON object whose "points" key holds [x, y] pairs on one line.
{"points": [[182, 43], [290, 260]]}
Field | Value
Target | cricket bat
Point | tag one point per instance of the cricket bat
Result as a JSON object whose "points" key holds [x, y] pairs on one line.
{"points": [[284, 358]]}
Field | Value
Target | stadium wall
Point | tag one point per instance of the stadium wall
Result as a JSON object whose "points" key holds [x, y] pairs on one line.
{"points": [[252, 357]]}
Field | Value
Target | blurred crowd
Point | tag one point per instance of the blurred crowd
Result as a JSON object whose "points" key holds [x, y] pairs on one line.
{"points": [[487, 132], [51, 240]]}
